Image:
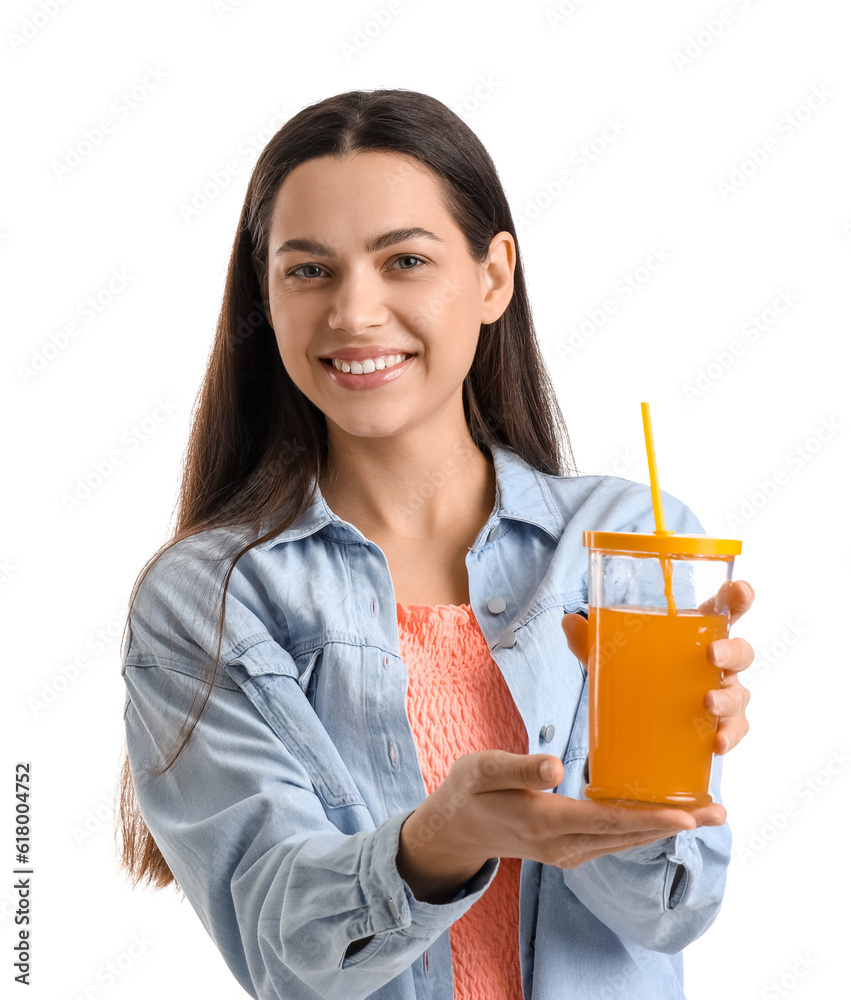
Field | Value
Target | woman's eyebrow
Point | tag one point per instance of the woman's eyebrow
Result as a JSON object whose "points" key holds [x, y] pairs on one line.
{"points": [[308, 245]]}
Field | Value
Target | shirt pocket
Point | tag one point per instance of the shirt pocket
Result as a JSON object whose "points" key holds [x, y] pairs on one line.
{"points": [[307, 665], [280, 688]]}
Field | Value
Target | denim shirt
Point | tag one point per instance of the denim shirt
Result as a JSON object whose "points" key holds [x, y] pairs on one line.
{"points": [[280, 819]]}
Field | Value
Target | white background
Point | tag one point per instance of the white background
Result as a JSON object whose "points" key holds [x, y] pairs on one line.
{"points": [[535, 86]]}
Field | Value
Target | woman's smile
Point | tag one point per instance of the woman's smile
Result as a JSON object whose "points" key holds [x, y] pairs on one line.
{"points": [[371, 375]]}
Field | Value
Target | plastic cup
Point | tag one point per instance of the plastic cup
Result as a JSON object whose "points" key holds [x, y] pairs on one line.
{"points": [[650, 736]]}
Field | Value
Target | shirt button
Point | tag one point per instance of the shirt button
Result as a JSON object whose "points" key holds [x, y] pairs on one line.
{"points": [[547, 733], [394, 909], [507, 639], [493, 532], [496, 605]]}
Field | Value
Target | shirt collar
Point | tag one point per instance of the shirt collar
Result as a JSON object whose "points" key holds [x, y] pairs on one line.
{"points": [[522, 494]]}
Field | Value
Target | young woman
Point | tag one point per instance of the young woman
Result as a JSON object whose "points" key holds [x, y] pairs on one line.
{"points": [[346, 669]]}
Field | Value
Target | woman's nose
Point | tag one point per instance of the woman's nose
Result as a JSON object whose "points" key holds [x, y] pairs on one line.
{"points": [[358, 302]]}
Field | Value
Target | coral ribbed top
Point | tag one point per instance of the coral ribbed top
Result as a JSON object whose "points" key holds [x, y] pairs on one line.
{"points": [[458, 702]]}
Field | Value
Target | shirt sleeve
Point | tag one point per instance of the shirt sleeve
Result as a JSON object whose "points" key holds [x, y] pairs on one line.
{"points": [[666, 894], [662, 895], [281, 887]]}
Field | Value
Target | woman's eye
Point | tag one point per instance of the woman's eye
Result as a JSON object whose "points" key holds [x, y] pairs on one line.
{"points": [[295, 270], [405, 257], [409, 256]]}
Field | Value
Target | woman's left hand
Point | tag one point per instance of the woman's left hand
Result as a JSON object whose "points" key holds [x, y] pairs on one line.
{"points": [[728, 701]]}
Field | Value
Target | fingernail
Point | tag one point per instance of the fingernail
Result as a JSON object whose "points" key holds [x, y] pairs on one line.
{"points": [[721, 655], [547, 771]]}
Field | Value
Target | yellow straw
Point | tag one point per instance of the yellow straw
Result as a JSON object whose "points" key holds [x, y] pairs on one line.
{"points": [[658, 512]]}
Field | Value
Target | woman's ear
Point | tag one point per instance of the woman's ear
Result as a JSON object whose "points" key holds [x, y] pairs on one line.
{"points": [[498, 281]]}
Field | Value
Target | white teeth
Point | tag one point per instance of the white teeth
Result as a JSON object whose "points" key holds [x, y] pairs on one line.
{"points": [[369, 365]]}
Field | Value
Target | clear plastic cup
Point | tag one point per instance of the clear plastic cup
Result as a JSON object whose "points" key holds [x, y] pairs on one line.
{"points": [[650, 736]]}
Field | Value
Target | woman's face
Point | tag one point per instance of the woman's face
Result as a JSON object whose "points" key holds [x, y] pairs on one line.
{"points": [[366, 263]]}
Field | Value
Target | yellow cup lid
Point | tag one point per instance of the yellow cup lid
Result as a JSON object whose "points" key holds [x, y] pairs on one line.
{"points": [[668, 544]]}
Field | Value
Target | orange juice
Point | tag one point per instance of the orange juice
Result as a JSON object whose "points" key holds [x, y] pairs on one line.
{"points": [[651, 737]]}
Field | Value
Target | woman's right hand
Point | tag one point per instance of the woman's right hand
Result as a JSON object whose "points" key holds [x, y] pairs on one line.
{"points": [[493, 804]]}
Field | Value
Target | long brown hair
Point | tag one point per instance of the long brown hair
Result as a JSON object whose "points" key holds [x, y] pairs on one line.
{"points": [[257, 443]]}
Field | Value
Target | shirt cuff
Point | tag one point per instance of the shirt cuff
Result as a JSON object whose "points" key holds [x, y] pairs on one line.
{"points": [[392, 904]]}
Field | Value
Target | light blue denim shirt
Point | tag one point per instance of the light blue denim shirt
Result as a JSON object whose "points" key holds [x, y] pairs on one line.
{"points": [[280, 819]]}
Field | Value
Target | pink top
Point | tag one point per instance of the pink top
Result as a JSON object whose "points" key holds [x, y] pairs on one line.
{"points": [[458, 702]]}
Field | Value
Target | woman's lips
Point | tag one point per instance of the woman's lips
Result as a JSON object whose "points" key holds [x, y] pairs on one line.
{"points": [[372, 381]]}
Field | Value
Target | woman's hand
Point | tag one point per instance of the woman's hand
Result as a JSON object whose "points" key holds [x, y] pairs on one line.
{"points": [[731, 655], [730, 700], [494, 804]]}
